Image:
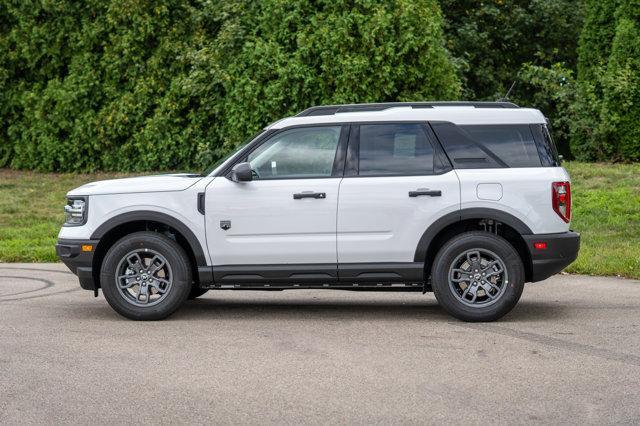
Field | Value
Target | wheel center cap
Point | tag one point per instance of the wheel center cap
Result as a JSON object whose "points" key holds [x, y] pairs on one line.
{"points": [[144, 276], [477, 276]]}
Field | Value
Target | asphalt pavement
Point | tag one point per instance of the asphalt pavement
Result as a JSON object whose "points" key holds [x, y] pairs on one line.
{"points": [[568, 353]]}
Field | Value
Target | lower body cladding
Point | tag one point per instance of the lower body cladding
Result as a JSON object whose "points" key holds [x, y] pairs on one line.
{"points": [[407, 276], [550, 253], [77, 255]]}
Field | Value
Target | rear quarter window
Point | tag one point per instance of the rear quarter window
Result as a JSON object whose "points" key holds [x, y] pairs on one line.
{"points": [[488, 145], [546, 147]]}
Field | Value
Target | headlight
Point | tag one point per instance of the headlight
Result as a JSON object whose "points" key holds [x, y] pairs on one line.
{"points": [[75, 212]]}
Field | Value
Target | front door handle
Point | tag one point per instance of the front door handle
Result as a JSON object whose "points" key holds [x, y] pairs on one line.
{"points": [[317, 195], [421, 192]]}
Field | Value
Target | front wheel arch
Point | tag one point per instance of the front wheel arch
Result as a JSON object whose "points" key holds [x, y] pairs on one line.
{"points": [[108, 237]]}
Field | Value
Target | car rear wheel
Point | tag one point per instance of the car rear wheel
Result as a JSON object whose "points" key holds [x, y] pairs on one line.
{"points": [[477, 276], [145, 276]]}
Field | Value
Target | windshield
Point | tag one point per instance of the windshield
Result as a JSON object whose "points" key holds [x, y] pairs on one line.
{"points": [[231, 153]]}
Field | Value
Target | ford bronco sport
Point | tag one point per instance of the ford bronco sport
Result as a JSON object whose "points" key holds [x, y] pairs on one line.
{"points": [[464, 199]]}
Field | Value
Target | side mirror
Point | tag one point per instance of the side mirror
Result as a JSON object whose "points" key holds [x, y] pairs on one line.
{"points": [[241, 172]]}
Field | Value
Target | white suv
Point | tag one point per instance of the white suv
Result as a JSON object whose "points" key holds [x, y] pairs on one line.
{"points": [[467, 200]]}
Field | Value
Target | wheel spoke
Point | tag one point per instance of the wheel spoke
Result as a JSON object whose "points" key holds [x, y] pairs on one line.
{"points": [[158, 285], [461, 273], [136, 264], [474, 294], [153, 267], [466, 291], [143, 294], [123, 279], [490, 266], [493, 273], [487, 287], [471, 260]]}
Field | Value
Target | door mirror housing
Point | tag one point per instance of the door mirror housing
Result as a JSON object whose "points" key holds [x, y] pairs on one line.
{"points": [[241, 172]]}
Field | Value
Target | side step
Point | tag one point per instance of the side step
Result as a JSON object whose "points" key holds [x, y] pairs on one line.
{"points": [[310, 286], [375, 276]]}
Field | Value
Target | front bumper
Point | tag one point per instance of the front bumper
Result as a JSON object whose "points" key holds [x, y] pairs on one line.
{"points": [[78, 261], [561, 250]]}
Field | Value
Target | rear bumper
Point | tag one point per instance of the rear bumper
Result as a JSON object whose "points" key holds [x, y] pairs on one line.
{"points": [[78, 261], [562, 249]]}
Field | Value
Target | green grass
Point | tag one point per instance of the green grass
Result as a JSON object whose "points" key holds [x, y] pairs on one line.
{"points": [[31, 212], [606, 211]]}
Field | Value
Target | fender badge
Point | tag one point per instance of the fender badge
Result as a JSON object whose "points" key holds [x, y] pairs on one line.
{"points": [[225, 224]]}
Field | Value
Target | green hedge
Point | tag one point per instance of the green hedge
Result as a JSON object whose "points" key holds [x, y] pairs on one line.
{"points": [[607, 109], [135, 85]]}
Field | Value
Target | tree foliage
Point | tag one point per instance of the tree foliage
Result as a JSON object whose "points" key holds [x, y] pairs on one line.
{"points": [[176, 84], [493, 40], [607, 109], [173, 84], [530, 42]]}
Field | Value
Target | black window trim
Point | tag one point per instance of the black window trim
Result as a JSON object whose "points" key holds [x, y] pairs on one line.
{"points": [[338, 161], [537, 130], [441, 163]]}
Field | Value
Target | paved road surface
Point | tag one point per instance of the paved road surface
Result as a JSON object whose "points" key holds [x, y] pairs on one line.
{"points": [[568, 353]]}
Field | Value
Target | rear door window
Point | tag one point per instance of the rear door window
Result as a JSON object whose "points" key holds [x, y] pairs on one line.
{"points": [[394, 149]]}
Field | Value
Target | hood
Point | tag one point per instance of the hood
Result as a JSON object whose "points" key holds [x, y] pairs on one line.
{"points": [[157, 183]]}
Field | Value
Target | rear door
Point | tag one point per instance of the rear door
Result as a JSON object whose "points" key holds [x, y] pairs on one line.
{"points": [[397, 182]]}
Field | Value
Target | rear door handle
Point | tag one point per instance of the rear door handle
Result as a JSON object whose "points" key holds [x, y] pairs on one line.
{"points": [[317, 195], [421, 192]]}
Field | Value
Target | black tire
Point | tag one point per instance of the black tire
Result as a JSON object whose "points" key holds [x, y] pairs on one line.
{"points": [[144, 242], [448, 292], [196, 292]]}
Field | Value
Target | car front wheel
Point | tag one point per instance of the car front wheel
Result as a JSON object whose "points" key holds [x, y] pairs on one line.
{"points": [[145, 276]]}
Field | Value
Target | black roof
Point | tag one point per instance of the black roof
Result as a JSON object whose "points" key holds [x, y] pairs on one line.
{"points": [[333, 109]]}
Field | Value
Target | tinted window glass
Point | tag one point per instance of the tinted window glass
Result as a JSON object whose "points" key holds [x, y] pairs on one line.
{"points": [[546, 147], [488, 146], [463, 152], [394, 149], [513, 144], [301, 152]]}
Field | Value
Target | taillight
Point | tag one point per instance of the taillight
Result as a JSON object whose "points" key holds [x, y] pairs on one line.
{"points": [[561, 199]]}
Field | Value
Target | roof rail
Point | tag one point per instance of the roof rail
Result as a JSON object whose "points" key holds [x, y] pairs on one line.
{"points": [[334, 109]]}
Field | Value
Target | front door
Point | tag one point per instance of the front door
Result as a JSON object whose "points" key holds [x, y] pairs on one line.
{"points": [[284, 220], [396, 184]]}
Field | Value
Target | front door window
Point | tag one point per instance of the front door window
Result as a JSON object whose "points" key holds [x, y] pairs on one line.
{"points": [[306, 152]]}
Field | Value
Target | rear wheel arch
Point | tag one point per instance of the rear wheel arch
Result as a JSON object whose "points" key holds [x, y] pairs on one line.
{"points": [[509, 227]]}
